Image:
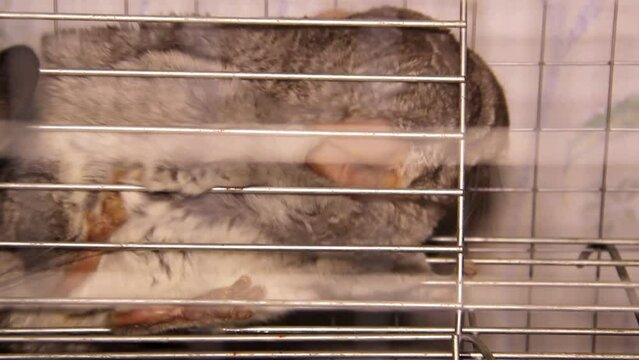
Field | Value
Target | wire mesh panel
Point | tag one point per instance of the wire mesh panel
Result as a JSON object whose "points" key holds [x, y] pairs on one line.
{"points": [[546, 292]]}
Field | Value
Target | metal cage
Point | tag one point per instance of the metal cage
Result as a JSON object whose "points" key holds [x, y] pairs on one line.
{"points": [[477, 329]]}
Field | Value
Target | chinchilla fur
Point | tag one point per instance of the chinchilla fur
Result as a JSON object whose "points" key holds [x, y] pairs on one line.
{"points": [[180, 168]]}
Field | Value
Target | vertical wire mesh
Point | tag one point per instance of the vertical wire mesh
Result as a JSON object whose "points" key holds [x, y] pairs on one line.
{"points": [[473, 38], [604, 170], [471, 316], [595, 316], [55, 22], [535, 185], [459, 316]]}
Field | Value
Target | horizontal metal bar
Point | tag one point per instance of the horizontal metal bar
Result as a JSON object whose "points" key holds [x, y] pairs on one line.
{"points": [[353, 330], [540, 241], [337, 248], [567, 308], [562, 284], [556, 190], [55, 330], [427, 330], [223, 247], [555, 262], [221, 338], [551, 356], [263, 190], [241, 132], [575, 130], [250, 75], [553, 331], [518, 250], [337, 330], [249, 330], [294, 132], [23, 302], [233, 20], [562, 63], [234, 354], [313, 354], [284, 190]]}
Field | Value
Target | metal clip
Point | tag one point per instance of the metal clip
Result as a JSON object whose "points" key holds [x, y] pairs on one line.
{"points": [[479, 346], [622, 272]]}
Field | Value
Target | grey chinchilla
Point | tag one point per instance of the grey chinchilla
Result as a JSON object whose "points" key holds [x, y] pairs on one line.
{"points": [[180, 168]]}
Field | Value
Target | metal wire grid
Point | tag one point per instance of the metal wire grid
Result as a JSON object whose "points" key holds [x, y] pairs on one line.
{"points": [[457, 333]]}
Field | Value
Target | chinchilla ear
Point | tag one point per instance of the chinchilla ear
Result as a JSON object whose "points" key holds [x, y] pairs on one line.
{"points": [[19, 70], [374, 163]]}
